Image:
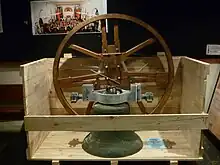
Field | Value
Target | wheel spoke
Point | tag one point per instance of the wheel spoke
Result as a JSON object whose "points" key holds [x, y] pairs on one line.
{"points": [[89, 108], [70, 81], [142, 107], [85, 51], [116, 38], [137, 48], [104, 37]]}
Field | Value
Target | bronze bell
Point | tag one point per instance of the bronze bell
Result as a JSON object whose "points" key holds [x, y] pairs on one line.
{"points": [[112, 144]]}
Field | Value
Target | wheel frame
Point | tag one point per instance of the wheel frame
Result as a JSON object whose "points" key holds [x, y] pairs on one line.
{"points": [[159, 38]]}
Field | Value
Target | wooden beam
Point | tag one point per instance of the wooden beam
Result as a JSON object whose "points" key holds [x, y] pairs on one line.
{"points": [[86, 123]]}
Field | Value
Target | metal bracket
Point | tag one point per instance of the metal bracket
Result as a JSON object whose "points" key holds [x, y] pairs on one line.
{"points": [[148, 96], [75, 96], [89, 94]]}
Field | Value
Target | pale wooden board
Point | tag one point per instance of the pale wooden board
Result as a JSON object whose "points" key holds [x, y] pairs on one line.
{"points": [[199, 68], [163, 60], [211, 82], [56, 146], [34, 68], [214, 112], [194, 76], [115, 122], [36, 87]]}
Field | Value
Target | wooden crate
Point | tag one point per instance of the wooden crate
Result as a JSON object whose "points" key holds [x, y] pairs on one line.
{"points": [[52, 134]]}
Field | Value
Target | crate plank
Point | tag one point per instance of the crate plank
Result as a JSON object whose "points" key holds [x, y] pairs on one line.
{"points": [[115, 122], [36, 85], [194, 76]]}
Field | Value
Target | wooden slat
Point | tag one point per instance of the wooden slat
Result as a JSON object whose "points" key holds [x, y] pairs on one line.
{"points": [[86, 123], [194, 75], [212, 80], [36, 86], [200, 68], [194, 82], [34, 68]]}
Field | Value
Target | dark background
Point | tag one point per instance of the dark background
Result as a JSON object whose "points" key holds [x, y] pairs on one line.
{"points": [[186, 25]]}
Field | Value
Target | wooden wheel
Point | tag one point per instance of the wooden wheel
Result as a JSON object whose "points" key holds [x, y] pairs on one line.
{"points": [[112, 63]]}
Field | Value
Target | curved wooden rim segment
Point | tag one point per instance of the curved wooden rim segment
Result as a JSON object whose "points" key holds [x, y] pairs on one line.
{"points": [[58, 90]]}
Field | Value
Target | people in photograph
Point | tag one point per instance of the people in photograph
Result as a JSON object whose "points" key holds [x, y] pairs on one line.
{"points": [[96, 24], [37, 28], [65, 20]]}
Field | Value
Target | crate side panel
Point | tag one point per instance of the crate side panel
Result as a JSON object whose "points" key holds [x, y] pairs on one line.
{"points": [[36, 85], [194, 78], [211, 84]]}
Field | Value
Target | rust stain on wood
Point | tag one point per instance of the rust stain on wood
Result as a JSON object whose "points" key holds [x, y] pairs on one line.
{"points": [[169, 144], [74, 142]]}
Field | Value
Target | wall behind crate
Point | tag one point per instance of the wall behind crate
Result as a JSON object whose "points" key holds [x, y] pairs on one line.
{"points": [[186, 25]]}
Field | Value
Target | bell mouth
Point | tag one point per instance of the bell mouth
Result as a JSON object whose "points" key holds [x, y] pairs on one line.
{"points": [[111, 144]]}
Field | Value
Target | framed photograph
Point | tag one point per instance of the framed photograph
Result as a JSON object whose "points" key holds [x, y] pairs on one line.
{"points": [[1, 27], [51, 17]]}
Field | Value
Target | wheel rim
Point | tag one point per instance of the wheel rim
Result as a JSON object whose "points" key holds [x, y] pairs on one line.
{"points": [[137, 21]]}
